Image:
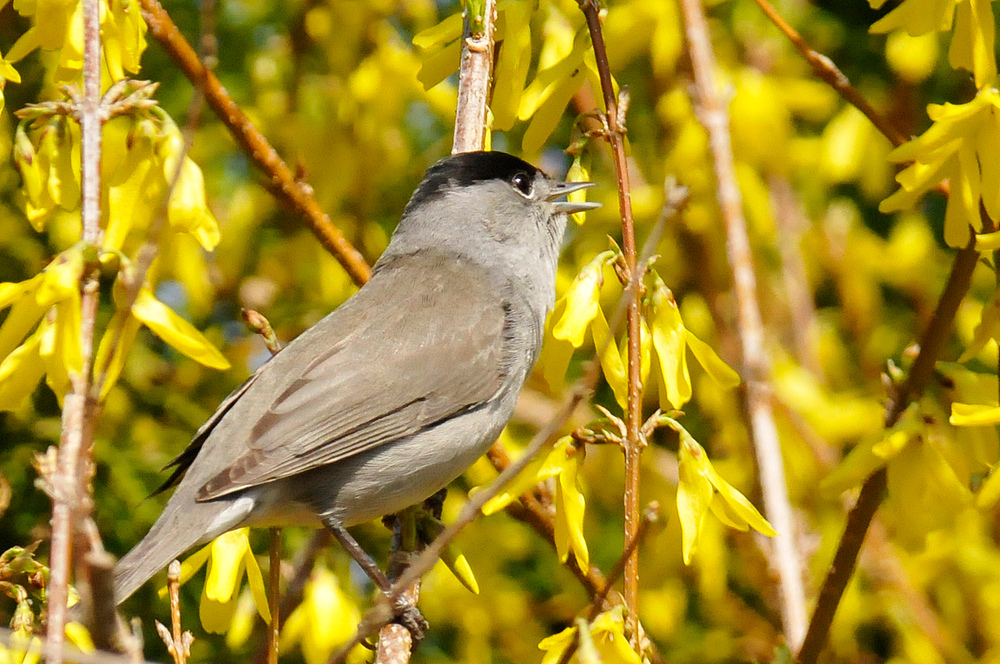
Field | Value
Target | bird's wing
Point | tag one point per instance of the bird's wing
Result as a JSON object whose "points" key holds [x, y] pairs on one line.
{"points": [[423, 341]]}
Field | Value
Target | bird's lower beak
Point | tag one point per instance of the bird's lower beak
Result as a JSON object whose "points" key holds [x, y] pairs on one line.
{"points": [[570, 207]]}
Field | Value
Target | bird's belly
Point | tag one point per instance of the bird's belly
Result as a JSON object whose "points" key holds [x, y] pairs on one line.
{"points": [[396, 475]]}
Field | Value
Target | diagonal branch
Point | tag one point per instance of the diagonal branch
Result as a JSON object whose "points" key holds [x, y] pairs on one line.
{"points": [[860, 517], [831, 74], [281, 182]]}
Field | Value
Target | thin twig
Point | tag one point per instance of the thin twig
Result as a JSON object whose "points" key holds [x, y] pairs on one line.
{"points": [[932, 342], [273, 596], [756, 364], [178, 642], [280, 180], [831, 74], [69, 487], [615, 136], [475, 78], [302, 567]]}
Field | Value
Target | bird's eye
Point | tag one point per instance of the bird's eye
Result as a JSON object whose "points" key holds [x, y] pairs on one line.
{"points": [[523, 182]]}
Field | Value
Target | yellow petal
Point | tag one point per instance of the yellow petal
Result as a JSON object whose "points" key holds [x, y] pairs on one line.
{"points": [[20, 372], [78, 635], [23, 316], [133, 181], [225, 569], [124, 333], [571, 504], [257, 587], [556, 644], [988, 143], [669, 341], [188, 210], [739, 504], [176, 331], [972, 42], [549, 113], [578, 172], [694, 494], [521, 484], [440, 65], [974, 415], [547, 80], [611, 360], [512, 63], [444, 32], [721, 373], [216, 616], [581, 301], [455, 561], [556, 354]]}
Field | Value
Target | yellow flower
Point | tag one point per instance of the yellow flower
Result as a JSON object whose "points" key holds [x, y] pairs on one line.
{"points": [[700, 489], [600, 641], [54, 347], [324, 621], [671, 339], [961, 145], [562, 462], [58, 25], [228, 557], [574, 312]]}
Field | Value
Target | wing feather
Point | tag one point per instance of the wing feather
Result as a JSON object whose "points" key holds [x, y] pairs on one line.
{"points": [[422, 341]]}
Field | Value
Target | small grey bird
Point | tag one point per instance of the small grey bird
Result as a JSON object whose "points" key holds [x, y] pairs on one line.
{"points": [[399, 390]]}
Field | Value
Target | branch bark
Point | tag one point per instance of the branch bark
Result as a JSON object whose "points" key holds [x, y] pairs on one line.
{"points": [[634, 442], [475, 79], [872, 492], [714, 116], [69, 484], [281, 182]]}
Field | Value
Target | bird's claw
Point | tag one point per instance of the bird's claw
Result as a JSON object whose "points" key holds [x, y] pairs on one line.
{"points": [[410, 617]]}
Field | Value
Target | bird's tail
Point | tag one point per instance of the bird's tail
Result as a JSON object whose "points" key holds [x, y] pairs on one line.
{"points": [[183, 524], [164, 542]]}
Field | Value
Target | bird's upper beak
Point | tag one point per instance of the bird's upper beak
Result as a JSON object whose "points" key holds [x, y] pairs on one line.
{"points": [[570, 207]]}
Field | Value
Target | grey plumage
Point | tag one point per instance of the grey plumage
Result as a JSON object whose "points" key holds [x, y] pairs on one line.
{"points": [[396, 392]]}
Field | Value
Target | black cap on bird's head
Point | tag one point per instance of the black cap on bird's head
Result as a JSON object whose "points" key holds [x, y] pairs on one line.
{"points": [[468, 168]]}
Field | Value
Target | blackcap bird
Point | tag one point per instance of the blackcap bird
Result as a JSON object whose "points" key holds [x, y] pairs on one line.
{"points": [[399, 390]]}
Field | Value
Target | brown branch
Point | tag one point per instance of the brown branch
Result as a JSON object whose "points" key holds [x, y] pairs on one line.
{"points": [[650, 515], [872, 492], [281, 182], [475, 77], [274, 592], [178, 642], [634, 443], [714, 115], [831, 74], [70, 483], [303, 564]]}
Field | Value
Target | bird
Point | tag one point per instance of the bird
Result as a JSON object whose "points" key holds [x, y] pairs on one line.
{"points": [[396, 392]]}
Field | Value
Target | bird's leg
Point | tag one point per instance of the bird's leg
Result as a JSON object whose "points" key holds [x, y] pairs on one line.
{"points": [[407, 614], [352, 547]]}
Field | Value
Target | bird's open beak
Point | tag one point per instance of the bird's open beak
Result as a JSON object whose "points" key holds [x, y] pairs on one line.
{"points": [[570, 207]]}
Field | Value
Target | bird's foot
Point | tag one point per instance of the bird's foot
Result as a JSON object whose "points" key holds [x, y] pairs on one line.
{"points": [[410, 617]]}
